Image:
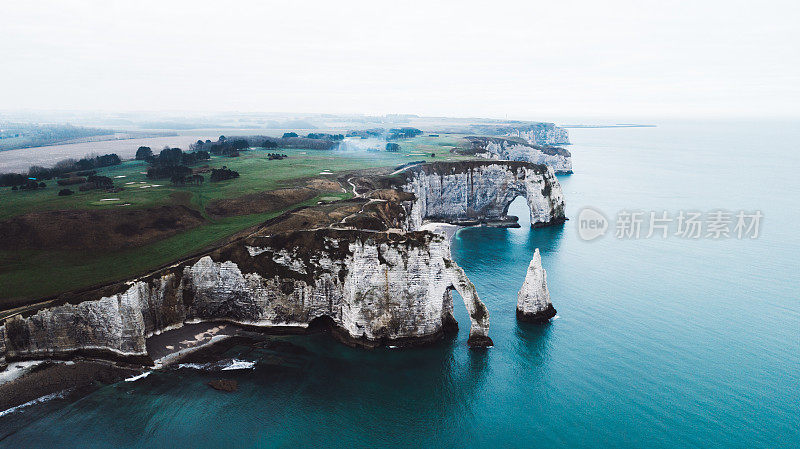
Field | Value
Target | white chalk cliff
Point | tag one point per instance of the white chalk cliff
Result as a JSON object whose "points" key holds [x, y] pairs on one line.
{"points": [[2, 346], [533, 299], [375, 287], [559, 159], [536, 133], [481, 191], [370, 287], [549, 134]]}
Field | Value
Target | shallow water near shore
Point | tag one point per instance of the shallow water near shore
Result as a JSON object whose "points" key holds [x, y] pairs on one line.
{"points": [[658, 343]]}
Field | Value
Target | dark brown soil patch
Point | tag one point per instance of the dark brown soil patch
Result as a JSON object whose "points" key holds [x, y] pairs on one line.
{"points": [[261, 202], [95, 229], [319, 216]]}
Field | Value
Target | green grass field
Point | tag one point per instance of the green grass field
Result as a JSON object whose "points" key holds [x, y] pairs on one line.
{"points": [[28, 276], [257, 174]]}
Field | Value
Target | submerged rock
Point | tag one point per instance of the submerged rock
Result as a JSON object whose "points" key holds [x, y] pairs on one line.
{"points": [[224, 385], [533, 299]]}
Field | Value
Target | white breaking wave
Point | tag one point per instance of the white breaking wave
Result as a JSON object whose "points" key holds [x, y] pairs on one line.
{"points": [[224, 365], [239, 364], [200, 366], [140, 376], [40, 400]]}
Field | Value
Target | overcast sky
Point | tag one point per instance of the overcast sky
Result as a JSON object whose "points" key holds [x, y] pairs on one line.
{"points": [[520, 59]]}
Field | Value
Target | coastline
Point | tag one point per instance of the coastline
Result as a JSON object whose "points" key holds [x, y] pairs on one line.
{"points": [[446, 229], [29, 383]]}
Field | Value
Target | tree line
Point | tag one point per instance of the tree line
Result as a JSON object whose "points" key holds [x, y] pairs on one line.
{"points": [[61, 169]]}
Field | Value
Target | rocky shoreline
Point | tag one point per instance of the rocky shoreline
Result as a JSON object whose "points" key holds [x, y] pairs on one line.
{"points": [[373, 271]]}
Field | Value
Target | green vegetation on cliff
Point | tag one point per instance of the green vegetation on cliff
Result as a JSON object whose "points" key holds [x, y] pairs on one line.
{"points": [[35, 268]]}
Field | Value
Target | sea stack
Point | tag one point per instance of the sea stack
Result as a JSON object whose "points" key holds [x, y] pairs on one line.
{"points": [[533, 299]]}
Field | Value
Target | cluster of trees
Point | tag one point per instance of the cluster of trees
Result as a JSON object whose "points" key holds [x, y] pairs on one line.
{"points": [[325, 136], [29, 185], [171, 156], [70, 171], [64, 167], [394, 133], [144, 154], [70, 181], [172, 163], [222, 174], [278, 156], [223, 146], [12, 179], [287, 135], [196, 180], [404, 133], [392, 147], [95, 182], [168, 171]]}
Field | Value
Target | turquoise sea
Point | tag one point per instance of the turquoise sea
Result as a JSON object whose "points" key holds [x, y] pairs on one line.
{"points": [[659, 343]]}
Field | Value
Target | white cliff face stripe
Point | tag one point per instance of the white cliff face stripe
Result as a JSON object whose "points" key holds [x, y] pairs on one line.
{"points": [[2, 344], [542, 134], [390, 290], [509, 151]]}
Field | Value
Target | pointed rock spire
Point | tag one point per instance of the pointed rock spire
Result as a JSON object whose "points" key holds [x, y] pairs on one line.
{"points": [[533, 299]]}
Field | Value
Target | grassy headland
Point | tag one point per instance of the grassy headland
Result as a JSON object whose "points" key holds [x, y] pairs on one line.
{"points": [[31, 274]]}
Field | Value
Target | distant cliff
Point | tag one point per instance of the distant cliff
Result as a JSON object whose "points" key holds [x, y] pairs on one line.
{"points": [[517, 149], [535, 133], [481, 191]]}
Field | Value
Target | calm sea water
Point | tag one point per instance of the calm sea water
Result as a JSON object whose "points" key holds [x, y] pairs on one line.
{"points": [[659, 343]]}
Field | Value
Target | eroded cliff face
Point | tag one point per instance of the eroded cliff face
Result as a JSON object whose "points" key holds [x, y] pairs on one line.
{"points": [[2, 346], [559, 159], [481, 191], [533, 299], [536, 133], [375, 287], [541, 134]]}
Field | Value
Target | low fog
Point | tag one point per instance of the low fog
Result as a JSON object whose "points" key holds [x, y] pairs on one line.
{"points": [[515, 59]]}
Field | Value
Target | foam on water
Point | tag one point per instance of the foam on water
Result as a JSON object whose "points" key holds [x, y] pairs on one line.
{"points": [[140, 376], [40, 400]]}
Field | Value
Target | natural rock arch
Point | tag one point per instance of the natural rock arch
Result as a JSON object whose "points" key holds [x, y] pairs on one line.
{"points": [[481, 191], [476, 309]]}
